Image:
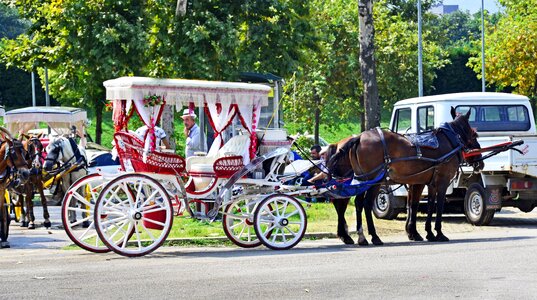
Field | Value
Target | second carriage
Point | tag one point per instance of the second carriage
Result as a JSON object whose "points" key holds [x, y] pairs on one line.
{"points": [[239, 177]]}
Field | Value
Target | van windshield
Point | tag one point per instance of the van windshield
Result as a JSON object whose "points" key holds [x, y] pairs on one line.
{"points": [[497, 117]]}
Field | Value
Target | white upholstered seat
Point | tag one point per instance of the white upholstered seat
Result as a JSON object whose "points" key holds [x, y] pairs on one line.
{"points": [[238, 145]]}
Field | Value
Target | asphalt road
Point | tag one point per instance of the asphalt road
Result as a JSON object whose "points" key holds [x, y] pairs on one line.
{"points": [[494, 262]]}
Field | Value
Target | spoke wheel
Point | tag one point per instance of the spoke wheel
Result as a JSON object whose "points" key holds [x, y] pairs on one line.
{"points": [[238, 223], [133, 215], [280, 222], [77, 213]]}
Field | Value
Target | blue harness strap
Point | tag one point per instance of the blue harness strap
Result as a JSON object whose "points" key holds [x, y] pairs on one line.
{"points": [[346, 189]]}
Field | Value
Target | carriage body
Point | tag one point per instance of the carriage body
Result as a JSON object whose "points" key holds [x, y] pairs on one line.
{"points": [[133, 212]]}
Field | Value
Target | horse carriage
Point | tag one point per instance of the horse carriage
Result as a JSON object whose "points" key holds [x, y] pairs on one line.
{"points": [[239, 176], [242, 177], [42, 129]]}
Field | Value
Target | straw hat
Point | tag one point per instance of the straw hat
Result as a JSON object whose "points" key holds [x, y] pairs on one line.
{"points": [[187, 113]]}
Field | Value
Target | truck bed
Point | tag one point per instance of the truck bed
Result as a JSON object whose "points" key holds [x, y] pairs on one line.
{"points": [[511, 161]]}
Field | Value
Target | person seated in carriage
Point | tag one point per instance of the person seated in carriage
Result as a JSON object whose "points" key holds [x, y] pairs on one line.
{"points": [[161, 137]]}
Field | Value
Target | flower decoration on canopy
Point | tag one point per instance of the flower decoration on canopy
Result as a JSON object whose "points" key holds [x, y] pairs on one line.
{"points": [[109, 106], [153, 100]]}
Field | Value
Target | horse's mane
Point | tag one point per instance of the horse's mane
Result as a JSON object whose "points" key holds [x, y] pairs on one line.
{"points": [[6, 132], [343, 150]]}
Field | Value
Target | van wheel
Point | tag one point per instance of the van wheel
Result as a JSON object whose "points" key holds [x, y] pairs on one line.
{"points": [[385, 206], [474, 206]]}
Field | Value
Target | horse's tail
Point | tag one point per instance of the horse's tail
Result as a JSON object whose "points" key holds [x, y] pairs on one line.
{"points": [[344, 150], [6, 133]]}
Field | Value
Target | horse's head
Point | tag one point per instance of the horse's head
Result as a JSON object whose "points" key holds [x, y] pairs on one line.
{"points": [[34, 148], [468, 137], [338, 159], [55, 153], [15, 155], [61, 151]]}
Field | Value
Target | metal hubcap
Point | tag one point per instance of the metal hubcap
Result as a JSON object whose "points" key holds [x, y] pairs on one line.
{"points": [[475, 204], [136, 215]]}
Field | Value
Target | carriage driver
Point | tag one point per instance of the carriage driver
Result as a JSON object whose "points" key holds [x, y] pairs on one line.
{"points": [[192, 133]]}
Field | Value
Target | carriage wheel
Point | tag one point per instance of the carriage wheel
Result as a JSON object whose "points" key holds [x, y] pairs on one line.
{"points": [[133, 215], [280, 222], [77, 213], [237, 220]]}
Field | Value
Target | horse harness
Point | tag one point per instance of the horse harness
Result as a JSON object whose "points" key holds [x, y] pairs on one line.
{"points": [[10, 153], [453, 137], [77, 156]]}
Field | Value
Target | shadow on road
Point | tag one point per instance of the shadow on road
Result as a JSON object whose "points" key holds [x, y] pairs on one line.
{"points": [[312, 249]]}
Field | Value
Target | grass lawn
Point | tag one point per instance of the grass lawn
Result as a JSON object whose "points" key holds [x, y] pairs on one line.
{"points": [[322, 217]]}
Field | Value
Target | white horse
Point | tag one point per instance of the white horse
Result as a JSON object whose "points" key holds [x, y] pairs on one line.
{"points": [[64, 153]]}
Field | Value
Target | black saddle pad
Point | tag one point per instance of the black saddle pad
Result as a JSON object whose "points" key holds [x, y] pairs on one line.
{"points": [[424, 140]]}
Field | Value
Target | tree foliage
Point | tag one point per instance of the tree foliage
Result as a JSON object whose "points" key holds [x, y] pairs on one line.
{"points": [[84, 43], [511, 48]]}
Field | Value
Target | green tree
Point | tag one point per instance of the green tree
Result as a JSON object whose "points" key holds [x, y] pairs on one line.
{"points": [[333, 69], [511, 49]]}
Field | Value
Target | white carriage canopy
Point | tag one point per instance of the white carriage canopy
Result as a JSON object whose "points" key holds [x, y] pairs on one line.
{"points": [[58, 118], [222, 101]]}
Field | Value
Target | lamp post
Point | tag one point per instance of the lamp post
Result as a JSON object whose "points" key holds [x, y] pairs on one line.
{"points": [[420, 50], [482, 46]]}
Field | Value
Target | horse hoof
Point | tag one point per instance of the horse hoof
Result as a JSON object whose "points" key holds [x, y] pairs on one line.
{"points": [[430, 237], [363, 242], [47, 224], [31, 226], [24, 224], [85, 224], [347, 240], [4, 245], [415, 237], [377, 241], [441, 238]]}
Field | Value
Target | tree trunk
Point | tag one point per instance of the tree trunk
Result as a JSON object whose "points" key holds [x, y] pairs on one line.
{"points": [[167, 124], [99, 120], [317, 117], [362, 114], [367, 64]]}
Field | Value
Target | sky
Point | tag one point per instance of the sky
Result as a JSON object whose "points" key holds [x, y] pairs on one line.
{"points": [[474, 5]]}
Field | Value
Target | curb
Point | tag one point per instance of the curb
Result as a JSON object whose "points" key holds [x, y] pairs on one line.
{"points": [[315, 235]]}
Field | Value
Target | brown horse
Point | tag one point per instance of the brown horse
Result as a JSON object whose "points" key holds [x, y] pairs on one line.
{"points": [[342, 168], [13, 171], [376, 151], [34, 149]]}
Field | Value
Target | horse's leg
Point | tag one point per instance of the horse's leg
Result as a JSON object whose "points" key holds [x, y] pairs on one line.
{"points": [[370, 196], [25, 217], [4, 221], [413, 200], [430, 209], [342, 231], [359, 207], [439, 211], [30, 207], [46, 214]]}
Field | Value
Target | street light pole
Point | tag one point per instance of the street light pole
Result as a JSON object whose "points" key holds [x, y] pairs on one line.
{"points": [[33, 89], [420, 50], [47, 97], [482, 46]]}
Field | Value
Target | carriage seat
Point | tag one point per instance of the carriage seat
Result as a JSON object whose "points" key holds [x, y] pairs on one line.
{"points": [[297, 167], [232, 152]]}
